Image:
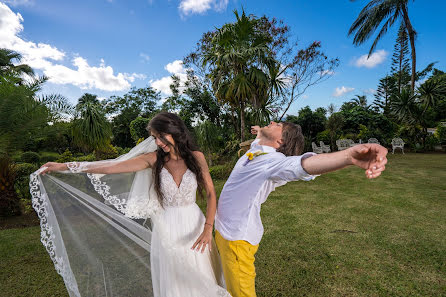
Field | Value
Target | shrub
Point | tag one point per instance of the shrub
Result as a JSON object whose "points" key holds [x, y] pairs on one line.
{"points": [[105, 153], [49, 157], [30, 157], [21, 183], [87, 158], [441, 133], [221, 171], [323, 136], [9, 201], [67, 156]]}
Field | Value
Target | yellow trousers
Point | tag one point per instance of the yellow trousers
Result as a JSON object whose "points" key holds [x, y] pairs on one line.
{"points": [[237, 259]]}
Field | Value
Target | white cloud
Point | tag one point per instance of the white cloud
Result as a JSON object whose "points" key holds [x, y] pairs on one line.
{"points": [[375, 59], [48, 59], [340, 91], [163, 84], [19, 2], [327, 72], [188, 7], [370, 91], [145, 57], [305, 96]]}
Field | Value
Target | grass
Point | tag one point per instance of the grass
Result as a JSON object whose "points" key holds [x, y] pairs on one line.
{"points": [[339, 235]]}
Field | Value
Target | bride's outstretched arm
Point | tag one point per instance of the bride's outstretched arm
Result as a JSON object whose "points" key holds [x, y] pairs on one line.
{"points": [[108, 167], [205, 239]]}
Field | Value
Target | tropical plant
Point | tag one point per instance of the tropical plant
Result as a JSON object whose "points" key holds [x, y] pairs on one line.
{"points": [[240, 58], [91, 130], [10, 67], [385, 12]]}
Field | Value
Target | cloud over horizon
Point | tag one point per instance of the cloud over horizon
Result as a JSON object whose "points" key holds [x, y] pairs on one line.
{"points": [[48, 59]]}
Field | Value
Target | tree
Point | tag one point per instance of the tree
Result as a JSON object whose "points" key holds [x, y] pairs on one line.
{"points": [[311, 122], [21, 116], [91, 130], [400, 62], [386, 88], [238, 55], [387, 12], [360, 100], [303, 69], [124, 109], [13, 70]]}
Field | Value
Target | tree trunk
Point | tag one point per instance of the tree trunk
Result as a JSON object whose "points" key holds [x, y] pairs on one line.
{"points": [[242, 121], [412, 34]]}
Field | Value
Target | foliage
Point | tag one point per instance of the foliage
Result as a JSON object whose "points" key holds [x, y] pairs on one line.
{"points": [[48, 157], [221, 171], [400, 62], [138, 128], [10, 66], [30, 157], [323, 136], [385, 12], [441, 133], [209, 139], [141, 102], [20, 115], [106, 152], [67, 156], [311, 123], [91, 130], [21, 183], [9, 201]]}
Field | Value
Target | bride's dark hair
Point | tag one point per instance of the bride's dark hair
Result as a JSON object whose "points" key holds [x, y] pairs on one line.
{"points": [[169, 123]]}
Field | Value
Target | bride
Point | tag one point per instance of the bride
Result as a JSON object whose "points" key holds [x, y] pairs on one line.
{"points": [[100, 251]]}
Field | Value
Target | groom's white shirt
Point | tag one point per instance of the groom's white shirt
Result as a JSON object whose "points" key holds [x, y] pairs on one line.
{"points": [[248, 186]]}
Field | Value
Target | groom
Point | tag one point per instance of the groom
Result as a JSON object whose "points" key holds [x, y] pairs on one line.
{"points": [[273, 160]]}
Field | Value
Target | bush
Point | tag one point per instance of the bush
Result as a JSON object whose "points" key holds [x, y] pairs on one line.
{"points": [[67, 156], [221, 171], [30, 157], [49, 157], [323, 136], [122, 151], [87, 158], [9, 200], [441, 133], [106, 153], [21, 183]]}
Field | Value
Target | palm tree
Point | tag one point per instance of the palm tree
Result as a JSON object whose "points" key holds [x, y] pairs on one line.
{"points": [[8, 68], [240, 62], [91, 130], [360, 100], [387, 12]]}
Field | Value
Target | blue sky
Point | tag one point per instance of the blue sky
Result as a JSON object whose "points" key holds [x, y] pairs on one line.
{"points": [[105, 47]]}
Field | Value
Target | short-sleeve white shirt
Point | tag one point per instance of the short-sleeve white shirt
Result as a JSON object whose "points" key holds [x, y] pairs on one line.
{"points": [[248, 186]]}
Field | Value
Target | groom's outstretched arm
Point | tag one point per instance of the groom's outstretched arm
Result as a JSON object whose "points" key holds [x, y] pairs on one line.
{"points": [[371, 157]]}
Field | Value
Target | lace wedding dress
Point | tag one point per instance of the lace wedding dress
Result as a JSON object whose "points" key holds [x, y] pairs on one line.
{"points": [[180, 225], [107, 235]]}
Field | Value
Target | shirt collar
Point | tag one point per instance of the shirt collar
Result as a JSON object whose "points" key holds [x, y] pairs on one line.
{"points": [[267, 148]]}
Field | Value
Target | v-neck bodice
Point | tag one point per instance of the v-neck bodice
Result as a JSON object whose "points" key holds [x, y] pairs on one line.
{"points": [[181, 195]]}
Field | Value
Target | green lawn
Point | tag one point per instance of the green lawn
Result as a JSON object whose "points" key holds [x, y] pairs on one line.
{"points": [[339, 235]]}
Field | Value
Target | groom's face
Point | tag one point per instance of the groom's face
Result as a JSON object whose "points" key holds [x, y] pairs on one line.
{"points": [[273, 132]]}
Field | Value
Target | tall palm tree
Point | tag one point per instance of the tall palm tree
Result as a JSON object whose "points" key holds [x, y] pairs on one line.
{"points": [[240, 60], [386, 12]]}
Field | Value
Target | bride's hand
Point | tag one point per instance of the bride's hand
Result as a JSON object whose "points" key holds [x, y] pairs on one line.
{"points": [[53, 166], [204, 239]]}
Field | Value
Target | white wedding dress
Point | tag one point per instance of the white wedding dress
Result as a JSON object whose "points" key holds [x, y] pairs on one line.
{"points": [[176, 269], [108, 235]]}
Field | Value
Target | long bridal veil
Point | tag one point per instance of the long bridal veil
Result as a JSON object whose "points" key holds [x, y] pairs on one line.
{"points": [[97, 229]]}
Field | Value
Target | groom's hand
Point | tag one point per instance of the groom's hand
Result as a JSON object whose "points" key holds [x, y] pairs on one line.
{"points": [[371, 157]]}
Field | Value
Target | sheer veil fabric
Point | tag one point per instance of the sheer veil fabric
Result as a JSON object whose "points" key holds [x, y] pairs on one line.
{"points": [[98, 229]]}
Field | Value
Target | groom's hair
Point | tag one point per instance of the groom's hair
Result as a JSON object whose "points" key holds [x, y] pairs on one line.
{"points": [[292, 140]]}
